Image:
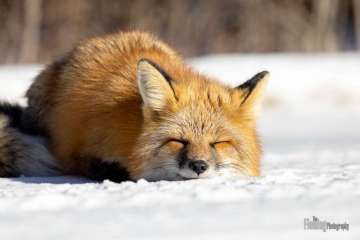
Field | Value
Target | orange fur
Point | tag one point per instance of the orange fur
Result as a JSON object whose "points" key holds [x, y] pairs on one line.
{"points": [[90, 106]]}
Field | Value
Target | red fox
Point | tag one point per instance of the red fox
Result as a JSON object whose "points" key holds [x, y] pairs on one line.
{"points": [[126, 106]]}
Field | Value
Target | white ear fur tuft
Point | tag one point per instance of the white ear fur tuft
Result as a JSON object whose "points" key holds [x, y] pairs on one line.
{"points": [[154, 85]]}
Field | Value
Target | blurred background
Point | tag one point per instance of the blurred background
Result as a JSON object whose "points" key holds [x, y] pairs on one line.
{"points": [[309, 125], [36, 31]]}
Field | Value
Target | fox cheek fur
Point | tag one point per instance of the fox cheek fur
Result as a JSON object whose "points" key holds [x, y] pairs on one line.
{"points": [[193, 130]]}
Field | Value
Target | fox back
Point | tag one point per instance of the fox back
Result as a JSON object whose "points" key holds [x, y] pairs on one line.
{"points": [[129, 102]]}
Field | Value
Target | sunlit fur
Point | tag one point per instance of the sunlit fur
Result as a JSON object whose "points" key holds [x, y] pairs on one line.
{"points": [[90, 105]]}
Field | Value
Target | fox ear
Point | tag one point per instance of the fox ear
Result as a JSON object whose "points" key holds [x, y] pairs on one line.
{"points": [[154, 85], [252, 90]]}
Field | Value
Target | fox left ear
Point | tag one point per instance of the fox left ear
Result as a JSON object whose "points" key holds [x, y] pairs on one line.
{"points": [[252, 90], [154, 85]]}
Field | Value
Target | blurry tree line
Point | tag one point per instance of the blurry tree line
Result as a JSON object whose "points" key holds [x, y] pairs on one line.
{"points": [[39, 30]]}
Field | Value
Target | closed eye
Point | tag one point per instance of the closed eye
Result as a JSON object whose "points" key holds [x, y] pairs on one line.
{"points": [[174, 140], [220, 142]]}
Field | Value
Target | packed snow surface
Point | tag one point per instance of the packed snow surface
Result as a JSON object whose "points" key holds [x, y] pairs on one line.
{"points": [[310, 124]]}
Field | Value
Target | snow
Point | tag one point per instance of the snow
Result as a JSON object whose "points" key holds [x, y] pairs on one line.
{"points": [[311, 131]]}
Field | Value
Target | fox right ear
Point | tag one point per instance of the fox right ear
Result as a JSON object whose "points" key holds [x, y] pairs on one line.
{"points": [[154, 85], [252, 91]]}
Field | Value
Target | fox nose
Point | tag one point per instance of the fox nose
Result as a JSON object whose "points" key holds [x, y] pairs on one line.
{"points": [[198, 166]]}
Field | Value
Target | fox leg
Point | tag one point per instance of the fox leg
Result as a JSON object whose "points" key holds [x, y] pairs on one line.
{"points": [[99, 170]]}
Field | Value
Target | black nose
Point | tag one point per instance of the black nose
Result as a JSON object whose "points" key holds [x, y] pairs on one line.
{"points": [[198, 166]]}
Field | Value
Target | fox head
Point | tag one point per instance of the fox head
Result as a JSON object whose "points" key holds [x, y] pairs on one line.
{"points": [[195, 127]]}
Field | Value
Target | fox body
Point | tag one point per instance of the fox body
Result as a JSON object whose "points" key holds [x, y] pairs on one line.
{"points": [[126, 106]]}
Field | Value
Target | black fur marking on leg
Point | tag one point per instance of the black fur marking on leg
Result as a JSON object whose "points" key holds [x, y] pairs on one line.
{"points": [[100, 170]]}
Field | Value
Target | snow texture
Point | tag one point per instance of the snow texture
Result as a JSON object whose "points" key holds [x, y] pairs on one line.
{"points": [[311, 131]]}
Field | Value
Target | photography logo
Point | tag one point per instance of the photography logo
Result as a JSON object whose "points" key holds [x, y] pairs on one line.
{"points": [[315, 224]]}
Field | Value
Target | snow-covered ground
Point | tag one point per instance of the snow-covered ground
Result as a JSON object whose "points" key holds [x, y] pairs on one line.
{"points": [[311, 167]]}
